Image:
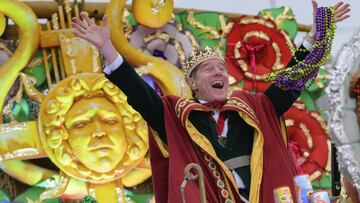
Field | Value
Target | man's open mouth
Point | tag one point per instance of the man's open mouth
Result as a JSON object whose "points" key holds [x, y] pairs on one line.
{"points": [[217, 84]]}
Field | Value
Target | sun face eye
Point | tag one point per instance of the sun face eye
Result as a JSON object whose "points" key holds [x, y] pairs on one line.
{"points": [[111, 122], [80, 124]]}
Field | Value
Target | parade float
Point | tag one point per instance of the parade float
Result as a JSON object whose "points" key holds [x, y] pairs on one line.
{"points": [[54, 98]]}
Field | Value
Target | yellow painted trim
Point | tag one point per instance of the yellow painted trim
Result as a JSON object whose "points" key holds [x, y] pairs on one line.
{"points": [[256, 162], [34, 174], [246, 104], [16, 141], [160, 143], [184, 114], [107, 192], [20, 141], [205, 144], [283, 131]]}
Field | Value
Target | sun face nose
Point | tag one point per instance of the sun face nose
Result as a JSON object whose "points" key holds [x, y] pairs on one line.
{"points": [[99, 130], [98, 134]]}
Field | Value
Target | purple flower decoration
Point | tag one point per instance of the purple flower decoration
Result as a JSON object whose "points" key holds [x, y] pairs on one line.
{"points": [[167, 42]]}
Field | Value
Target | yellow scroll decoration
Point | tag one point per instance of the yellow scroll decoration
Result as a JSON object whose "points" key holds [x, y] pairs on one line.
{"points": [[29, 33], [170, 79]]}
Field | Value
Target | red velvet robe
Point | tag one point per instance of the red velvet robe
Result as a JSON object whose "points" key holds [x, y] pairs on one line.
{"points": [[271, 163]]}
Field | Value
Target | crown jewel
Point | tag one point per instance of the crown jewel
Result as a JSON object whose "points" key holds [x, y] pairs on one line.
{"points": [[198, 56]]}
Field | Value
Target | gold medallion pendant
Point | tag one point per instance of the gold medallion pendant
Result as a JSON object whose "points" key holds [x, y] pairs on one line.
{"points": [[223, 141]]}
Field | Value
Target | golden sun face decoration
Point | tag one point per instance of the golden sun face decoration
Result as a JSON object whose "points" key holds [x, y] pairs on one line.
{"points": [[85, 125], [89, 131]]}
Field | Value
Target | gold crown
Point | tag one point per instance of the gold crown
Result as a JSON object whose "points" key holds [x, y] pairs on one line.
{"points": [[198, 56]]}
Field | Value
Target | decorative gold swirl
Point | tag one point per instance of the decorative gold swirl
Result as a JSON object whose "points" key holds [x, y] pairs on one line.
{"points": [[214, 33], [280, 19], [307, 134], [20, 153], [30, 90], [259, 34], [157, 35], [128, 28], [261, 21], [180, 51], [277, 64], [192, 39], [58, 190], [321, 121], [29, 33]]}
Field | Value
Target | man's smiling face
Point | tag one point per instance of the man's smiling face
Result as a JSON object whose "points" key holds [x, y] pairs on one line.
{"points": [[209, 80]]}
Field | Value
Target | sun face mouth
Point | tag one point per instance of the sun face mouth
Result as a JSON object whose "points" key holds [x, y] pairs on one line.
{"points": [[218, 84], [101, 147]]}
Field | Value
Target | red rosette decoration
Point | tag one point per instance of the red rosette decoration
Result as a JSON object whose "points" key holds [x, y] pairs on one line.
{"points": [[309, 140], [255, 48]]}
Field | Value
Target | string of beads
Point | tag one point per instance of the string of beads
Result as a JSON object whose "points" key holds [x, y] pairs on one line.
{"points": [[295, 77]]}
